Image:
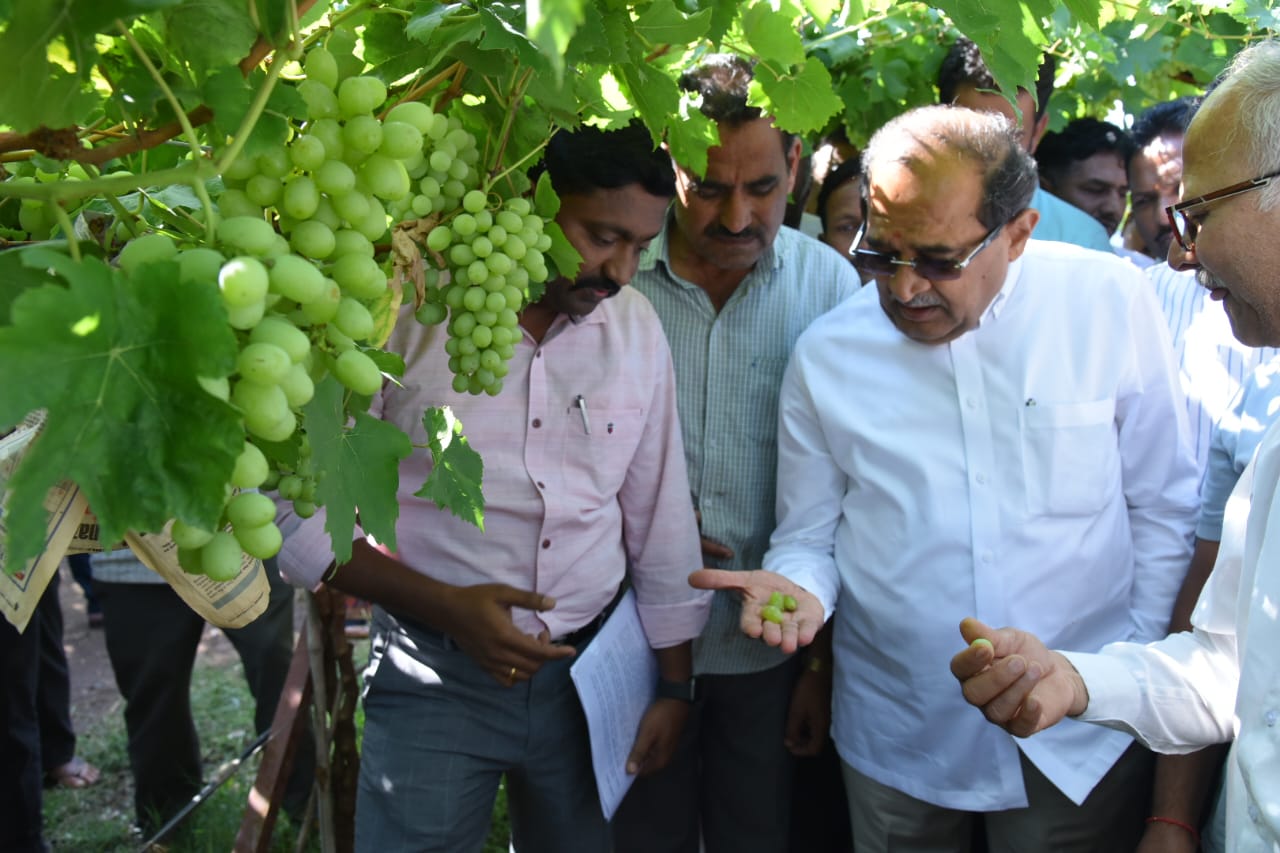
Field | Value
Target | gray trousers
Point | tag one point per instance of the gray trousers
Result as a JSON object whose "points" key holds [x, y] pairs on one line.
{"points": [[1110, 820], [439, 736]]}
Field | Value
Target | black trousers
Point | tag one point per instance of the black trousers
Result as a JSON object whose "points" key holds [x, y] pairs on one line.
{"points": [[53, 691], [152, 637], [35, 720]]}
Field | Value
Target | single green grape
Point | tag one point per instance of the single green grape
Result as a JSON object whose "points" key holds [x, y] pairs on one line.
{"points": [[353, 319], [243, 281], [400, 140], [262, 541], [321, 67], [414, 113], [363, 94], [431, 313], [358, 372], [250, 509], [298, 386], [312, 238], [147, 249], [221, 557], [247, 234], [296, 278], [263, 362], [188, 536], [770, 613], [250, 472]]}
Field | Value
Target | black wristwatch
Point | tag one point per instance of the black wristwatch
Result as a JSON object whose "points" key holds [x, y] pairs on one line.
{"points": [[682, 690]]}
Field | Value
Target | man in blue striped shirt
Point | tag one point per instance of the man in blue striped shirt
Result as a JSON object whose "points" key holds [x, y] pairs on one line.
{"points": [[734, 289]]}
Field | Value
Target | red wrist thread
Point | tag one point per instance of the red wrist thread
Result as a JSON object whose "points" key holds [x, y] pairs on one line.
{"points": [[1172, 822]]}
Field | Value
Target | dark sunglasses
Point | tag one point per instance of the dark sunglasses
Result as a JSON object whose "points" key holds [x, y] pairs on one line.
{"points": [[880, 263], [1185, 227]]}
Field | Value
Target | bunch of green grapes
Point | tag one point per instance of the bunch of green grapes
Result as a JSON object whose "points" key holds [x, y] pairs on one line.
{"points": [[287, 315], [490, 258], [36, 217]]}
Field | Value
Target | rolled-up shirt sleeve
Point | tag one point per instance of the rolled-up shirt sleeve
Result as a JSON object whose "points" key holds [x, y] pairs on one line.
{"points": [[307, 552]]}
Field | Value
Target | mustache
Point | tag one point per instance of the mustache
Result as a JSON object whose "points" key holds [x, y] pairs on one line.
{"points": [[1208, 280], [716, 231], [597, 282], [924, 300]]}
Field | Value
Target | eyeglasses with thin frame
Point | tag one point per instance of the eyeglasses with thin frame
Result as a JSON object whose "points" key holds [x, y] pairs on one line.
{"points": [[880, 263], [1185, 228]]}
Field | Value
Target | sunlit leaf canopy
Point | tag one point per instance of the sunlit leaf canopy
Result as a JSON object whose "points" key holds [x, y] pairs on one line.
{"points": [[120, 117], [824, 63]]}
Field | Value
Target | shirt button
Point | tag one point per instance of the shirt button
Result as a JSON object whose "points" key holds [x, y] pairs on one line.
{"points": [[1271, 717], [987, 556], [980, 478], [971, 402], [537, 422], [538, 353], [546, 543], [1253, 812], [541, 485]]}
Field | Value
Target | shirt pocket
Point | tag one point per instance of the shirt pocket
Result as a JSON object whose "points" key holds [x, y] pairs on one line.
{"points": [[1069, 457], [599, 447], [762, 385]]}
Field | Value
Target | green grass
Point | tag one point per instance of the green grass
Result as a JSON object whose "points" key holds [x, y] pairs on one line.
{"points": [[99, 819]]}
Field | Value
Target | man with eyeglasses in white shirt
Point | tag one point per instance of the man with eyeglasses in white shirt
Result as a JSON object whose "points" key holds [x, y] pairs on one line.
{"points": [[996, 426]]}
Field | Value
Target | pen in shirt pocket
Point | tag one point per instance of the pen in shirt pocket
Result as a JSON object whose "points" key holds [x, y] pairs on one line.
{"points": [[581, 403]]}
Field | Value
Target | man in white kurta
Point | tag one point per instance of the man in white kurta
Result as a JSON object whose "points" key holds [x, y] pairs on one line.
{"points": [[1222, 679], [996, 427]]}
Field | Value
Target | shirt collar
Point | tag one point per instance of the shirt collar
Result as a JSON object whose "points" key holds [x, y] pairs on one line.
{"points": [[1006, 290]]}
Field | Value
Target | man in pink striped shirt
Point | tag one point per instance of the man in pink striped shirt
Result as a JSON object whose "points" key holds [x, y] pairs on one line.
{"points": [[585, 483]]}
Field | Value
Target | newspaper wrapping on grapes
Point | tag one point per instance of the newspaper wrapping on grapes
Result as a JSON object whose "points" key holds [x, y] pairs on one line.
{"points": [[20, 590], [73, 529]]}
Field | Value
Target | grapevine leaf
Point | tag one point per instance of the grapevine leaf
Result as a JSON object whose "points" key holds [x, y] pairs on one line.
{"points": [[113, 359], [562, 253], [272, 17], [824, 10], [389, 52], [592, 42], [655, 95], [1088, 12], [801, 102], [427, 17], [457, 471], [229, 95], [723, 14], [773, 35], [1010, 43], [501, 33], [663, 23], [360, 462], [187, 30], [483, 63], [37, 91], [18, 277], [689, 138], [390, 363], [551, 25], [545, 199]]}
